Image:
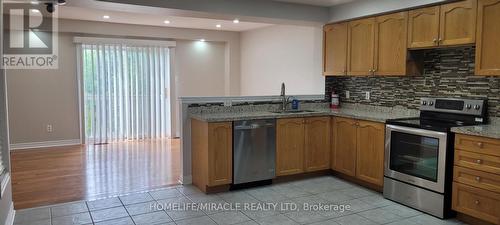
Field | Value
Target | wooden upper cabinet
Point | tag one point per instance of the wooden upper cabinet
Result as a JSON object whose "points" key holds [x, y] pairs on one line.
{"points": [[458, 23], [335, 50], [345, 144], [317, 143], [390, 44], [220, 153], [370, 152], [423, 27], [361, 47], [487, 37], [289, 146]]}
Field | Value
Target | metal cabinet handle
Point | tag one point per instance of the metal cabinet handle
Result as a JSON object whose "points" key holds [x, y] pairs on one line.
{"points": [[440, 40], [480, 144], [478, 179], [477, 202], [479, 161]]}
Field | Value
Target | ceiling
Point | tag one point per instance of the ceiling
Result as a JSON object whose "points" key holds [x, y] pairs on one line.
{"points": [[327, 3], [92, 14]]}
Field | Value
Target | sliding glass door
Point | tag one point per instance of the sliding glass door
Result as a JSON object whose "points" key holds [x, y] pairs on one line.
{"points": [[125, 92]]}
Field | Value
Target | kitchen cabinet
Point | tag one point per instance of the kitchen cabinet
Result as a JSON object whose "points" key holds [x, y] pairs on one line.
{"points": [[212, 148], [488, 32], [390, 44], [423, 27], [476, 181], [335, 49], [458, 23], [370, 152], [445, 25], [345, 145], [361, 47], [317, 143], [358, 149], [302, 145], [290, 146]]}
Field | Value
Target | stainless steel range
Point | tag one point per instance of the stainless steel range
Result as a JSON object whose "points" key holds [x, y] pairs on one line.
{"points": [[419, 153]]}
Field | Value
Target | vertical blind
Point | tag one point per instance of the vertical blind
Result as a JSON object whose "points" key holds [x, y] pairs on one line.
{"points": [[125, 90]]}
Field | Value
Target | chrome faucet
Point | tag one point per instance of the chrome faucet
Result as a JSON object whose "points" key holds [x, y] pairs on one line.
{"points": [[284, 99]]}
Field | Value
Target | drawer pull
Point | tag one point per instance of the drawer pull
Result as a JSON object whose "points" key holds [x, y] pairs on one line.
{"points": [[479, 161], [477, 202], [478, 179], [480, 144]]}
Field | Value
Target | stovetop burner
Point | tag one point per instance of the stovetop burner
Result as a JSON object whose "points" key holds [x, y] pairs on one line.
{"points": [[443, 114]]}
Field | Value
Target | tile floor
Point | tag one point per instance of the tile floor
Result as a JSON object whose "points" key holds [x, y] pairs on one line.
{"points": [[366, 207]]}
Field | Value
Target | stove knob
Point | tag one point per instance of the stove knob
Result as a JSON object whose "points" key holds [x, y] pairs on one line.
{"points": [[431, 103], [477, 107], [468, 106], [424, 102]]}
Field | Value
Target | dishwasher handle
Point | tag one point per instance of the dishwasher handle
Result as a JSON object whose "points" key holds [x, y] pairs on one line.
{"points": [[253, 126]]}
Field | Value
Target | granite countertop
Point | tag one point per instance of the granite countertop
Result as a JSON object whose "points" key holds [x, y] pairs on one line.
{"points": [[491, 130], [349, 113]]}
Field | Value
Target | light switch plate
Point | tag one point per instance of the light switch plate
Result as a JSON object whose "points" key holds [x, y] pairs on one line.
{"points": [[347, 94], [367, 95]]}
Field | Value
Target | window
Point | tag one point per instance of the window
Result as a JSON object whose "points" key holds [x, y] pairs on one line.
{"points": [[125, 91]]}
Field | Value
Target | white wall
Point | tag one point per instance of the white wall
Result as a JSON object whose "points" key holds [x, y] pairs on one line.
{"points": [[282, 53], [41, 97], [365, 8]]}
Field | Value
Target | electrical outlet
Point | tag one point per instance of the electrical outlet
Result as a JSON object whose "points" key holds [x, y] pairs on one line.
{"points": [[367, 95], [50, 129], [347, 94]]}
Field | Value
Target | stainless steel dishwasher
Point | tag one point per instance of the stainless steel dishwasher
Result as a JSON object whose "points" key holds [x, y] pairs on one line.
{"points": [[254, 150]]}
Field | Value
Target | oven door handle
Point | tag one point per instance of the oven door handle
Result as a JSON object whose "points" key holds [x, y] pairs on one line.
{"points": [[417, 131]]}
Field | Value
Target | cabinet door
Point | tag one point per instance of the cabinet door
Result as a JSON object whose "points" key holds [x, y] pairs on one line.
{"points": [[361, 47], [317, 143], [423, 27], [370, 152], [488, 32], [335, 49], [289, 146], [458, 23], [220, 153], [390, 44], [344, 151]]}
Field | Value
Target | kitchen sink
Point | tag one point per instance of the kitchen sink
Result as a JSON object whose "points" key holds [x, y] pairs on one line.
{"points": [[293, 111]]}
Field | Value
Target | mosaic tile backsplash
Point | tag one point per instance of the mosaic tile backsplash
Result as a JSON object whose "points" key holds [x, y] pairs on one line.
{"points": [[447, 73]]}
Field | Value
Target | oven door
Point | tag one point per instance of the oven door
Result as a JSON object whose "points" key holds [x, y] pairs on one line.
{"points": [[416, 156]]}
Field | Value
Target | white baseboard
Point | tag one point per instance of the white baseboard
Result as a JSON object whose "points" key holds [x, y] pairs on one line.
{"points": [[45, 144], [11, 215], [186, 180]]}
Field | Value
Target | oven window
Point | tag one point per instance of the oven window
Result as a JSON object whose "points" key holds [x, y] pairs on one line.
{"points": [[414, 155]]}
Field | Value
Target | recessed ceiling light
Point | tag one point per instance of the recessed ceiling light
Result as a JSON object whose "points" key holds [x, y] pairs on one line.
{"points": [[202, 40], [236, 21], [166, 21], [218, 26], [35, 11], [106, 17], [34, 2]]}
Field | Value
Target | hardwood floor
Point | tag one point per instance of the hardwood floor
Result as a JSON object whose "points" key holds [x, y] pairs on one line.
{"points": [[62, 174]]}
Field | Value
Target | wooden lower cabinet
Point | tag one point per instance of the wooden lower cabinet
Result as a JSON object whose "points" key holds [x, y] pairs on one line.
{"points": [[370, 152], [358, 149], [345, 144], [302, 145], [289, 146], [211, 153], [317, 143], [476, 181]]}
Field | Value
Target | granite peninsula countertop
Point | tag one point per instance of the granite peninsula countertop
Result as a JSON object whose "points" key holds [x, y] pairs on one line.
{"points": [[362, 114], [491, 130]]}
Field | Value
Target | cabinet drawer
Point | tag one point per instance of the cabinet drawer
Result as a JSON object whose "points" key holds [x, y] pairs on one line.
{"points": [[487, 181], [486, 163], [478, 144], [476, 202]]}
